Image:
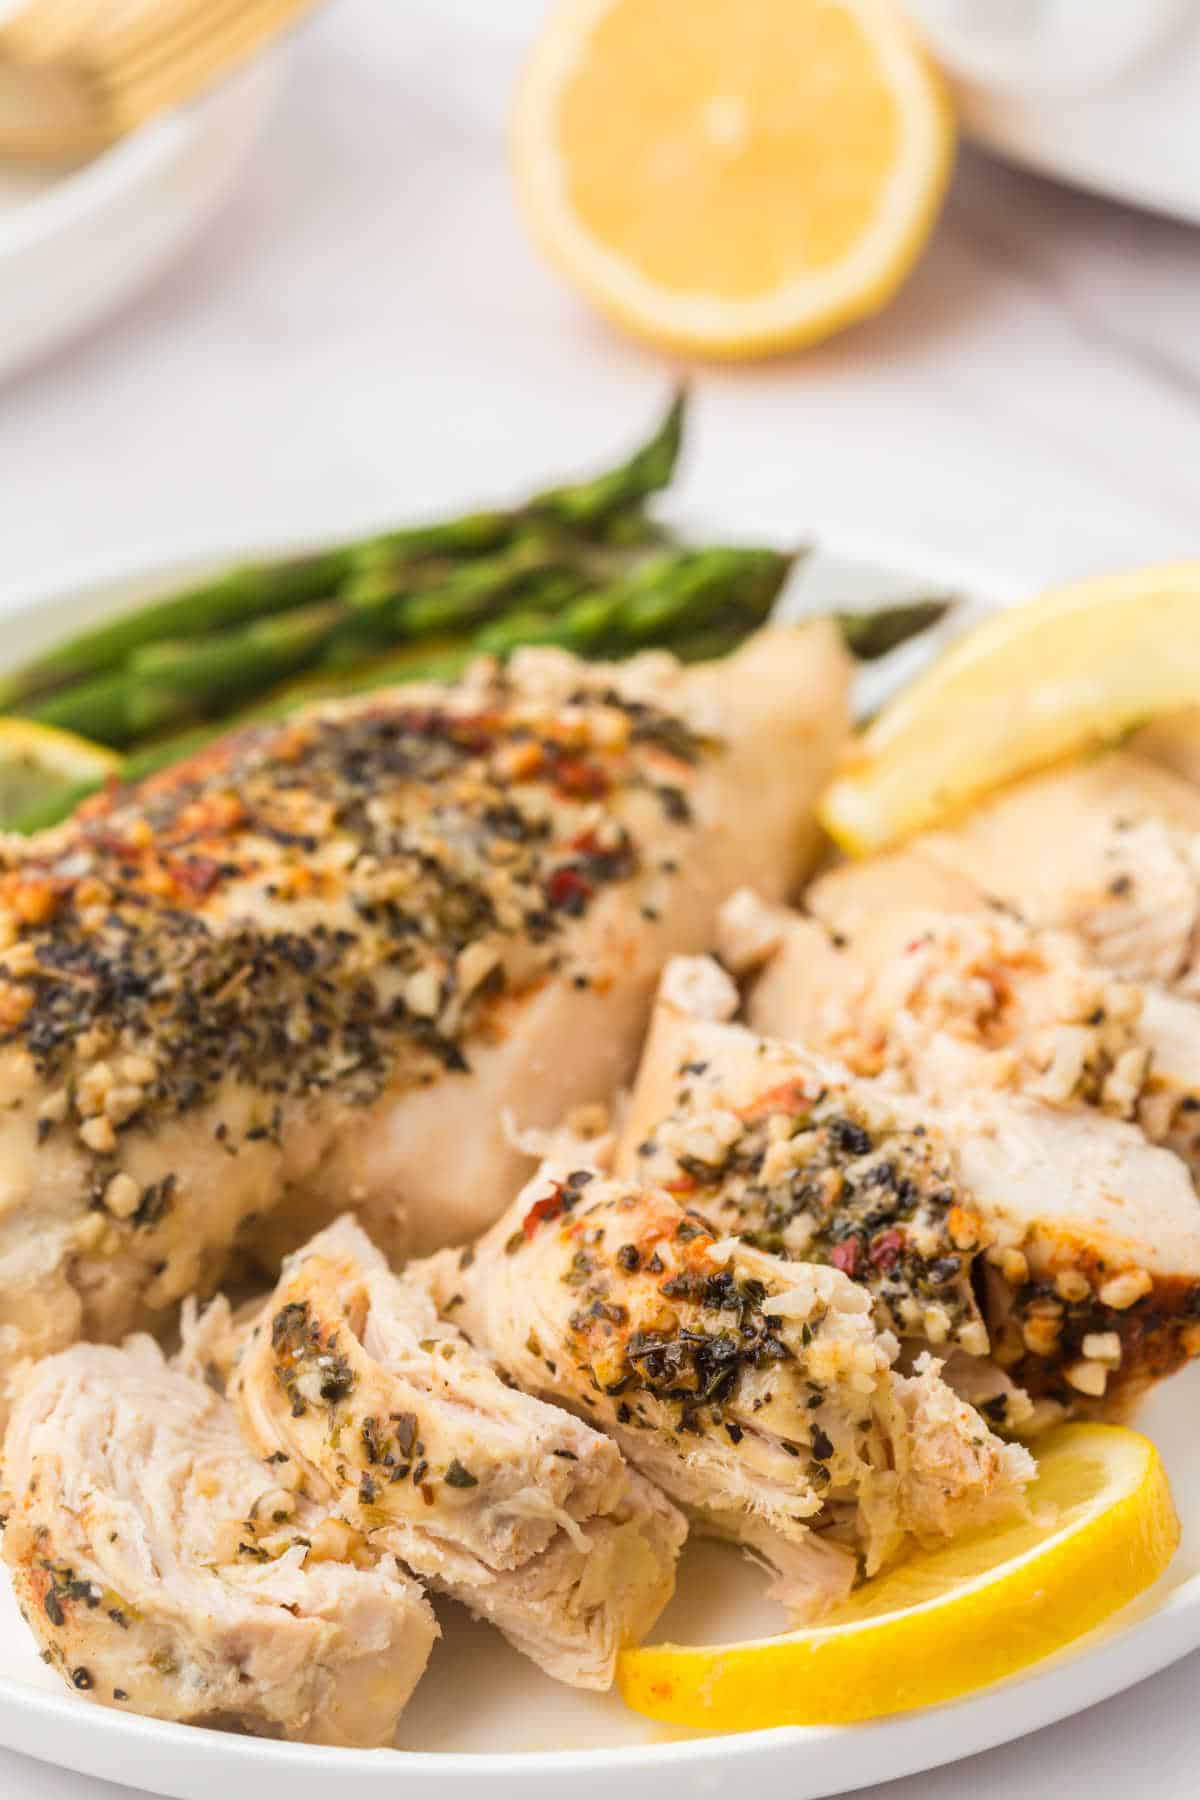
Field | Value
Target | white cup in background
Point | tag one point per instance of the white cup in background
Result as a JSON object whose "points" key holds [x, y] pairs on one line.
{"points": [[1046, 46]]}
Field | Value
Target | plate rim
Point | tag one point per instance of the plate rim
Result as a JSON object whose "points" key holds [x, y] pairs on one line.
{"points": [[126, 165], [59, 1729]]}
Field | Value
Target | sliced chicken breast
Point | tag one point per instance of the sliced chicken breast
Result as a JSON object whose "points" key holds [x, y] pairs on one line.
{"points": [[165, 1569], [789, 1152], [757, 1393], [327, 957], [945, 963], [937, 1002], [1108, 847], [1092, 1234], [515, 1507]]}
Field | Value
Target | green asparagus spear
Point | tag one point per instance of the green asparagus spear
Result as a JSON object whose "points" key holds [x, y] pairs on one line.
{"points": [[687, 589], [166, 685], [604, 507], [709, 644], [375, 620], [872, 634], [666, 596], [474, 593], [257, 590], [586, 504], [607, 506]]}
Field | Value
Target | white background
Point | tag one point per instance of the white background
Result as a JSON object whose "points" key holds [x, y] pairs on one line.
{"points": [[364, 334]]}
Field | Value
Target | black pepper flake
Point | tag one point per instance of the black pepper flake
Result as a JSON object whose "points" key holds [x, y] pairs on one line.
{"points": [[458, 1477], [675, 804], [850, 1137], [406, 1430], [822, 1444], [81, 1678]]}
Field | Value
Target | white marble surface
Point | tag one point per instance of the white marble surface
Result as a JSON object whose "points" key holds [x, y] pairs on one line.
{"points": [[365, 334]]}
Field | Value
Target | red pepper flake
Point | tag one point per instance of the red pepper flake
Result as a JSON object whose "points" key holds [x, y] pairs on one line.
{"points": [[199, 874], [568, 890], [122, 849], [681, 1184], [788, 1097], [579, 779], [845, 1256], [550, 1206], [885, 1249]]}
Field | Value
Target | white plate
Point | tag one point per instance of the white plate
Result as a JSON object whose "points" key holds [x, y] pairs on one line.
{"points": [[73, 245], [1144, 151], [483, 1714]]}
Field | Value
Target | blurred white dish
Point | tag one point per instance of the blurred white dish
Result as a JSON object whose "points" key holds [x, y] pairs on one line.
{"points": [[1105, 96], [75, 243]]}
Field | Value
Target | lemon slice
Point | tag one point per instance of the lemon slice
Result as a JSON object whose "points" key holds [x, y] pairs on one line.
{"points": [[1072, 669], [732, 178], [39, 764], [946, 1621]]}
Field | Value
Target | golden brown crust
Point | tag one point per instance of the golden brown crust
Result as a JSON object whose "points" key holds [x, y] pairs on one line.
{"points": [[336, 904]]}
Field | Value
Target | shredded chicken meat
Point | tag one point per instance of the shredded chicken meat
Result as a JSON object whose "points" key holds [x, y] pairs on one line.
{"points": [[513, 1506], [164, 1568]]}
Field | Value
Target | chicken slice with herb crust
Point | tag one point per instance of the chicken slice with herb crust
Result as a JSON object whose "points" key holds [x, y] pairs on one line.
{"points": [[933, 948], [938, 1001], [1090, 1283], [514, 1507], [786, 1150], [757, 1393], [165, 1569], [1108, 847], [328, 957]]}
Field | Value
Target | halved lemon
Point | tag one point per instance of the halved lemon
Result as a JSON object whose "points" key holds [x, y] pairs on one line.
{"points": [[732, 177], [39, 764], [1102, 1528], [1071, 670]]}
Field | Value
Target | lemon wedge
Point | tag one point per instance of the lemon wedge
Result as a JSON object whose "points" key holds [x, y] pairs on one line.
{"points": [[733, 177], [1102, 1528], [1072, 669], [40, 763]]}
